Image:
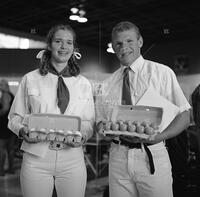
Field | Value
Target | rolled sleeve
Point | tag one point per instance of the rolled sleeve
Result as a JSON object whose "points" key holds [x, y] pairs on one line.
{"points": [[18, 109], [174, 93]]}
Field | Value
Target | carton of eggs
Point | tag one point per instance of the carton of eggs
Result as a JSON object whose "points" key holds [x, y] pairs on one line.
{"points": [[143, 127], [54, 135]]}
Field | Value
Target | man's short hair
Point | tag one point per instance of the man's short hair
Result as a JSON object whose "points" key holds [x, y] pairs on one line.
{"points": [[124, 26]]}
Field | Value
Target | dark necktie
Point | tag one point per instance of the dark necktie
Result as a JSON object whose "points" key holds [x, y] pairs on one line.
{"points": [[63, 95], [126, 100], [126, 91]]}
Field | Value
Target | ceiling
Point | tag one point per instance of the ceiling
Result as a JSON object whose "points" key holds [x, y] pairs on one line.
{"points": [[159, 20]]}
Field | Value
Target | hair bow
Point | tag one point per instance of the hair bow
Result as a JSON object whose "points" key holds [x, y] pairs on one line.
{"points": [[40, 54]]}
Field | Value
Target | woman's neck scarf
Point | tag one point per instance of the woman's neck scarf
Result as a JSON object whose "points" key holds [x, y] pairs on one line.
{"points": [[63, 95]]}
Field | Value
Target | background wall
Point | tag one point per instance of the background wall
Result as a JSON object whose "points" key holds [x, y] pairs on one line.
{"points": [[17, 62], [166, 53], [96, 64]]}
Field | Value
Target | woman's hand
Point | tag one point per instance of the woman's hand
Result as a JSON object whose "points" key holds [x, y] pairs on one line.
{"points": [[75, 142], [24, 134]]}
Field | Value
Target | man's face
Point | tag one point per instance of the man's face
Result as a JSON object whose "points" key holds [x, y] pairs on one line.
{"points": [[127, 46]]}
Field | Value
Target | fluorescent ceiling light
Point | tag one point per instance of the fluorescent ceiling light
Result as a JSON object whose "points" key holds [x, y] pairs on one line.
{"points": [[110, 49], [74, 17], [74, 10], [24, 43], [14, 42], [13, 83], [82, 19]]}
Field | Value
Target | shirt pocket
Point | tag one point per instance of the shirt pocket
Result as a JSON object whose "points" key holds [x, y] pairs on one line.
{"points": [[35, 101]]}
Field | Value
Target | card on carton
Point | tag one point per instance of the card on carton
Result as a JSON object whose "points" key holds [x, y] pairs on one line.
{"points": [[154, 99]]}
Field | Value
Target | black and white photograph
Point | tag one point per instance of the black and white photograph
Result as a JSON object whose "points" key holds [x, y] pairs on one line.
{"points": [[99, 98]]}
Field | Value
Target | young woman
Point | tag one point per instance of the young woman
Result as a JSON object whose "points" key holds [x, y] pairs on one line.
{"points": [[57, 88]]}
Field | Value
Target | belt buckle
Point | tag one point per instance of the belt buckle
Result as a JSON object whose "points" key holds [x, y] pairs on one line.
{"points": [[56, 145]]}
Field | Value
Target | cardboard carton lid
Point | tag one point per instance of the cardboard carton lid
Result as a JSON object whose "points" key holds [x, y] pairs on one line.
{"points": [[54, 121]]}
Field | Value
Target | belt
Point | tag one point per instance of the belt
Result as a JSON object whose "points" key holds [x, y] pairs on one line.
{"points": [[54, 145], [138, 146]]}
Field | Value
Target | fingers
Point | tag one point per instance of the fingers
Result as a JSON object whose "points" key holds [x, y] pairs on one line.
{"points": [[99, 127], [32, 140], [131, 139], [24, 134], [83, 139], [73, 142], [152, 139]]}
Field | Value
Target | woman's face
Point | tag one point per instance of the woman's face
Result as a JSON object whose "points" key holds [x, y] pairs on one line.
{"points": [[62, 46]]}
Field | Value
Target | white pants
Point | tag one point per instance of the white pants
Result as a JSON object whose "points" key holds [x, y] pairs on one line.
{"points": [[129, 173], [66, 168]]}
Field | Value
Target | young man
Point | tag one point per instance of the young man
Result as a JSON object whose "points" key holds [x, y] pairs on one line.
{"points": [[131, 173]]}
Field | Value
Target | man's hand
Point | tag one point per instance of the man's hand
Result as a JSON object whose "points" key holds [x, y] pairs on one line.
{"points": [[152, 139], [99, 128], [23, 133], [131, 139]]}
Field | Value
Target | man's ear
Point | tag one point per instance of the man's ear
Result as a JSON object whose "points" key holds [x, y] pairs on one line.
{"points": [[140, 42]]}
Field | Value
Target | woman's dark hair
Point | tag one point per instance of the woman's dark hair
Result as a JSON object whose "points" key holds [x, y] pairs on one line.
{"points": [[74, 69]]}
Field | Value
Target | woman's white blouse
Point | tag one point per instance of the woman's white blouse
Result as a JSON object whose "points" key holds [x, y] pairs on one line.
{"points": [[38, 94]]}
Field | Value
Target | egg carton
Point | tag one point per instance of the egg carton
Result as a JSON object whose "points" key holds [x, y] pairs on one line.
{"points": [[135, 121], [55, 136], [54, 127]]}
